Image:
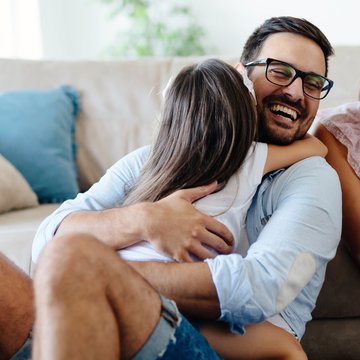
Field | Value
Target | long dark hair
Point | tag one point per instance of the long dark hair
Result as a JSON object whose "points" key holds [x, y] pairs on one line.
{"points": [[207, 127], [285, 24]]}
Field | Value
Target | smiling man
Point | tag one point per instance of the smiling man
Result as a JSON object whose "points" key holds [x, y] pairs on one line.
{"points": [[288, 89], [293, 227]]}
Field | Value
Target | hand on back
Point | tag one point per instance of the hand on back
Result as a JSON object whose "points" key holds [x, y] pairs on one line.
{"points": [[176, 228]]}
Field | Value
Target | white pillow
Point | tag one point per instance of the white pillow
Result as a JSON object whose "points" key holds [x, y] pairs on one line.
{"points": [[15, 192]]}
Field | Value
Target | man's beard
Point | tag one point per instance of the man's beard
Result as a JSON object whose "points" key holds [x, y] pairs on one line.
{"points": [[270, 135]]}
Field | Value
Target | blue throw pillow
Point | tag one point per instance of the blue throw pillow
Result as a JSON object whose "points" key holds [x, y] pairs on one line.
{"points": [[37, 135]]}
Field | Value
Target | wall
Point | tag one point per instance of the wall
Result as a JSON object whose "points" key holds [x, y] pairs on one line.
{"points": [[338, 20], [75, 29], [20, 34]]}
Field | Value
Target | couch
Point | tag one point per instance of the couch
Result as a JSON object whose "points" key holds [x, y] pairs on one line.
{"points": [[115, 105]]}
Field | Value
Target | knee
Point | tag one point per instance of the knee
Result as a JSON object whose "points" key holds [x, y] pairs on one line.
{"points": [[65, 259]]}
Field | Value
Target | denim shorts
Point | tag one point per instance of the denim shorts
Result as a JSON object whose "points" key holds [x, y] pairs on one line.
{"points": [[174, 337], [24, 352]]}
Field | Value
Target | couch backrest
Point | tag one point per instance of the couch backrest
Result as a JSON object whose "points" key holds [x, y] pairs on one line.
{"points": [[121, 99]]}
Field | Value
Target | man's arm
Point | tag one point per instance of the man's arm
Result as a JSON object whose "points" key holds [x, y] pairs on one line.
{"points": [[285, 265], [172, 225], [98, 212], [189, 284]]}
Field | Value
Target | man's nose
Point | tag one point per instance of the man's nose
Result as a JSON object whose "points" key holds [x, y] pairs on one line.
{"points": [[295, 90]]}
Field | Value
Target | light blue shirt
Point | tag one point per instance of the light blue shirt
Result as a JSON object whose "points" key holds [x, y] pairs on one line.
{"points": [[293, 225]]}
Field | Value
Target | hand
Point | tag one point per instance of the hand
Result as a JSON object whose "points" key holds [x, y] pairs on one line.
{"points": [[175, 227]]}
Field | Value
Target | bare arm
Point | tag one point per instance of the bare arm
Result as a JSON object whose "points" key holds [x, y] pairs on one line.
{"points": [[190, 285], [350, 185], [172, 218], [115, 227], [290, 238], [284, 156]]}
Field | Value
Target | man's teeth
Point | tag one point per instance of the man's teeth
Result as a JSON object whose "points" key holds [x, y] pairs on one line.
{"points": [[284, 111]]}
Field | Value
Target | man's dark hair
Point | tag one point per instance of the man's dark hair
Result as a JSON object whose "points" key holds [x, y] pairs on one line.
{"points": [[285, 24]]}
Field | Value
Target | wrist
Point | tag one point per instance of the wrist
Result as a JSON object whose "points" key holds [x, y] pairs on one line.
{"points": [[146, 216], [125, 225], [140, 215]]}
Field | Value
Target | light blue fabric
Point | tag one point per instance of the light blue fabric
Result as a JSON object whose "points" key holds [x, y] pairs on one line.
{"points": [[24, 352], [38, 137], [295, 212]]}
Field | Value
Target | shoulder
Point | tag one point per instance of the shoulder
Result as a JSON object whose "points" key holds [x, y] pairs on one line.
{"points": [[132, 162], [313, 166], [303, 196], [312, 179], [255, 158], [252, 169]]}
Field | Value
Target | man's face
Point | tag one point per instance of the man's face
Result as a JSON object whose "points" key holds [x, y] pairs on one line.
{"points": [[277, 106]]}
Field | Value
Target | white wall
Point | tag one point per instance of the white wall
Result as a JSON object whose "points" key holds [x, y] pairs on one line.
{"points": [[230, 22], [20, 34], [75, 29]]}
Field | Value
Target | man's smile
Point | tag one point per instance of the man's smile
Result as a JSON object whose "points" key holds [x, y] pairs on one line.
{"points": [[284, 111]]}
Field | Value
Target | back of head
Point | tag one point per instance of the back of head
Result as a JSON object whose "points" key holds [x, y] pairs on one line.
{"points": [[285, 24], [208, 125]]}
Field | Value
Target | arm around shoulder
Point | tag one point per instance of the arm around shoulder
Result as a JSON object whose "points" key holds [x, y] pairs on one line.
{"points": [[286, 155]]}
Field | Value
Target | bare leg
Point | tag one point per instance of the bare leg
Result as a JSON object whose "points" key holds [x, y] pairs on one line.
{"points": [[89, 303], [261, 341], [16, 308]]}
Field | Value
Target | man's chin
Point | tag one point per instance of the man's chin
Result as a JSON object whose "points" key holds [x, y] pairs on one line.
{"points": [[277, 136]]}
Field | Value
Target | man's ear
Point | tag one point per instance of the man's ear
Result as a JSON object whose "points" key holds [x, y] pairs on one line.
{"points": [[240, 67]]}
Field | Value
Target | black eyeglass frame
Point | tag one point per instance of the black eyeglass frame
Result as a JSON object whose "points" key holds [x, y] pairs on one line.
{"points": [[298, 74]]}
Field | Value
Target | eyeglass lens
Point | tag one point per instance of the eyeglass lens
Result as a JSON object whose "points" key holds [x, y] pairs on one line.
{"points": [[280, 73]]}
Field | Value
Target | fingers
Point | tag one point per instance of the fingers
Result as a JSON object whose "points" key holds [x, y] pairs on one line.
{"points": [[216, 245], [211, 244], [198, 192], [220, 231], [202, 245], [183, 256], [195, 252], [202, 252]]}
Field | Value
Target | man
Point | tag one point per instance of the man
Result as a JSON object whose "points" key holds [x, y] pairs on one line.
{"points": [[84, 290]]}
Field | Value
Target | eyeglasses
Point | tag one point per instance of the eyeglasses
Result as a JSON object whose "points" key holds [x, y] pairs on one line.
{"points": [[283, 74]]}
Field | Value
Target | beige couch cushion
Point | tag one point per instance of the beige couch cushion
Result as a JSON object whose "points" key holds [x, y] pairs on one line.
{"points": [[17, 230], [15, 192]]}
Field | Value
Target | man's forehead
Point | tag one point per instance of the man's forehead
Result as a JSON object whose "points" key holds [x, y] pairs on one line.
{"points": [[297, 50]]}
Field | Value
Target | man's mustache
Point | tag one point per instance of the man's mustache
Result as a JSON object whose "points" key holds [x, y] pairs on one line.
{"points": [[286, 101]]}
